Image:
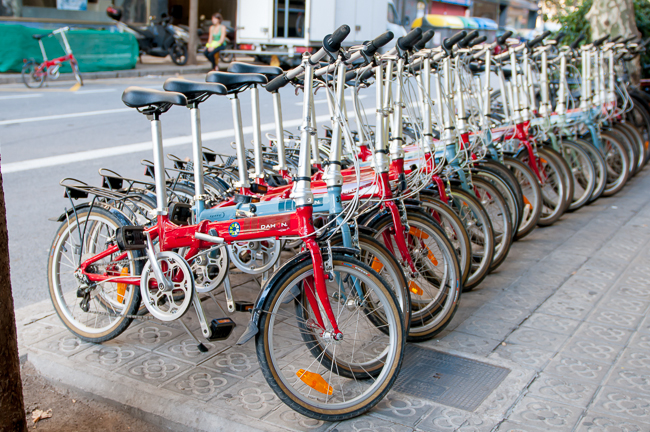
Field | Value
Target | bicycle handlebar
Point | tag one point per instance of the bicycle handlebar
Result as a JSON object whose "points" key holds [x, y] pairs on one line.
{"points": [[467, 39], [332, 43], [407, 42], [426, 37], [600, 41], [477, 41], [378, 42], [449, 42], [575, 43], [531, 43], [501, 40]]}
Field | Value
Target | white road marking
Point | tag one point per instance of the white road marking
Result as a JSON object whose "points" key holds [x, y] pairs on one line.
{"points": [[68, 158], [63, 116], [22, 96], [81, 92]]}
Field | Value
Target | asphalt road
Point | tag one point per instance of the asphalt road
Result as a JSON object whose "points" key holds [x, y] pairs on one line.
{"points": [[52, 133]]}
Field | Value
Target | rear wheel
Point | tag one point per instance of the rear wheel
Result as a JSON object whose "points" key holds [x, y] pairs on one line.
{"points": [[599, 166], [32, 76], [178, 53], [95, 312], [310, 371], [532, 195], [582, 171], [617, 162]]}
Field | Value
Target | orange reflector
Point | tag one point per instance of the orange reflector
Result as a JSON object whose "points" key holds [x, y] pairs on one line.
{"points": [[418, 233], [415, 289], [543, 160], [121, 287], [376, 265], [315, 381], [432, 258], [647, 143], [526, 200]]}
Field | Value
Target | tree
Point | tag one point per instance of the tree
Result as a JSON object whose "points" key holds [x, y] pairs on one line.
{"points": [[194, 27], [615, 18], [12, 407]]}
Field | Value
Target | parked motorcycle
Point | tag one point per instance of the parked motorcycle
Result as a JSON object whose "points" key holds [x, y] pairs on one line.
{"points": [[158, 39]]}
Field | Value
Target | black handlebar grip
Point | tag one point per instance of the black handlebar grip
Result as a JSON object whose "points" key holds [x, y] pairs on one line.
{"points": [[277, 83], [449, 42], [600, 41], [630, 39], [426, 37], [378, 42], [616, 39], [501, 40], [353, 75], [477, 41], [405, 43], [532, 43], [575, 43], [559, 37], [467, 39], [644, 43], [332, 43]]}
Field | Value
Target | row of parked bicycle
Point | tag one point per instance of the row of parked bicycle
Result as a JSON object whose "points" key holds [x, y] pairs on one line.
{"points": [[391, 212]]}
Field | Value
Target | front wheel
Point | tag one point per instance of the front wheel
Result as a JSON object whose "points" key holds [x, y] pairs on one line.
{"points": [[178, 53], [310, 371], [32, 75], [77, 74]]}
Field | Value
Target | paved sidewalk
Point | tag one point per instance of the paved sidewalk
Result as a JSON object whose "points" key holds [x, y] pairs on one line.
{"points": [[565, 315]]}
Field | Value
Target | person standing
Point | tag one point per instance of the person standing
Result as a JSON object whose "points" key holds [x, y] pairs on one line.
{"points": [[216, 40]]}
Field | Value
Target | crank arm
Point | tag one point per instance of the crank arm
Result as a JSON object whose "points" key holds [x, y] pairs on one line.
{"points": [[198, 307], [228, 292], [164, 284]]}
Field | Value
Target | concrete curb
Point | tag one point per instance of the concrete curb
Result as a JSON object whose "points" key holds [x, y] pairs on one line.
{"points": [[144, 401], [131, 73]]}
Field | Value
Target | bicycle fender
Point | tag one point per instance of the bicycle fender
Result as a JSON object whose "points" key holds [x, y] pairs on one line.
{"points": [[70, 213], [253, 325], [376, 216]]}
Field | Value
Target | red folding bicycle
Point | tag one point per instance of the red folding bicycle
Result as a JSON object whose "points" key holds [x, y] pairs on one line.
{"points": [[34, 73]]}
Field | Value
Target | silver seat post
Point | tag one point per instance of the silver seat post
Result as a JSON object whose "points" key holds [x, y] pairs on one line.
{"points": [[239, 143], [396, 148], [380, 150], [257, 133], [197, 147], [159, 165], [279, 131]]}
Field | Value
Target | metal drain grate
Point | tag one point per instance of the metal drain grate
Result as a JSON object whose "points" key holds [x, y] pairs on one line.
{"points": [[447, 379]]}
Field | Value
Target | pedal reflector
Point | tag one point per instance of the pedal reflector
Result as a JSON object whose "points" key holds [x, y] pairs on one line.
{"points": [[376, 265], [243, 306], [221, 329], [121, 287], [526, 201], [418, 233], [315, 381], [415, 288]]}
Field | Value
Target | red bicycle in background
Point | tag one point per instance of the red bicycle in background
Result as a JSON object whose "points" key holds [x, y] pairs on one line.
{"points": [[35, 73]]}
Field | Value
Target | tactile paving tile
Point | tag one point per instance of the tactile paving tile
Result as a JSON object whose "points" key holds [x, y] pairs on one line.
{"points": [[447, 379]]}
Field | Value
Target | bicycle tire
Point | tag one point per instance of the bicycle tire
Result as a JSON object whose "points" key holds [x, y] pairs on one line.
{"points": [[616, 161], [130, 298], [27, 75], [598, 162], [532, 194], [285, 290], [583, 174]]}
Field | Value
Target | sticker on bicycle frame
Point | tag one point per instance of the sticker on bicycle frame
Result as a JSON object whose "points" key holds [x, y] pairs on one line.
{"points": [[234, 229]]}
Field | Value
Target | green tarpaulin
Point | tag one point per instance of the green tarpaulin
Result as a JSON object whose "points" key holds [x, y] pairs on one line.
{"points": [[95, 50]]}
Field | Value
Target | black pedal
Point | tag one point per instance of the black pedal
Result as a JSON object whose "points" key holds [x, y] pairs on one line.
{"points": [[130, 238], [180, 213], [242, 306], [259, 189], [221, 329], [243, 199]]}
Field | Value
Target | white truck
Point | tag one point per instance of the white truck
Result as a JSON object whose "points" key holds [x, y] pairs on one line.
{"points": [[279, 31]]}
